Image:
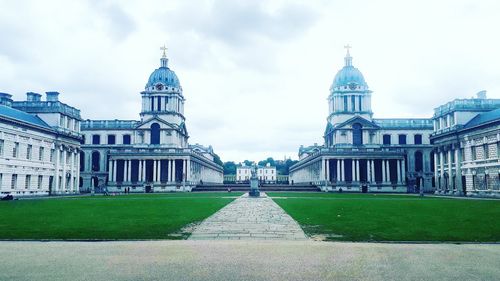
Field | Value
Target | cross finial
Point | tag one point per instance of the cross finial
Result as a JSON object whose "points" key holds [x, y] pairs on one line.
{"points": [[347, 47], [164, 49]]}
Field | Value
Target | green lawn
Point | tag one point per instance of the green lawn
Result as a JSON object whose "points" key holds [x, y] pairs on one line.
{"points": [[145, 216], [379, 217]]}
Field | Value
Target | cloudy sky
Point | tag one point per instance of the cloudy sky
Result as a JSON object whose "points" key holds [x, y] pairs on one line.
{"points": [[255, 74]]}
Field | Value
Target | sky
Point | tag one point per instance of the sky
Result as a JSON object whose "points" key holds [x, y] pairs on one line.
{"points": [[255, 74]]}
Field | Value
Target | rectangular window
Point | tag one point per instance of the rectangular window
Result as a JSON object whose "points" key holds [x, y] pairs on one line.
{"points": [[152, 103], [473, 152], [61, 121], [15, 149], [111, 139], [96, 139], [126, 139], [40, 181], [345, 104], [417, 139], [68, 123], [353, 103], [486, 152], [27, 183], [28, 151], [13, 182], [159, 103], [402, 139], [1, 147], [40, 153], [359, 102], [386, 139], [52, 152]]}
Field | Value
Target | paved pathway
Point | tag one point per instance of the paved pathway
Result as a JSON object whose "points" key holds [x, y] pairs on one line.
{"points": [[249, 218], [246, 260]]}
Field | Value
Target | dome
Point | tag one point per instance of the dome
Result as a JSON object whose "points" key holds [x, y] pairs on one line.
{"points": [[163, 75], [349, 76]]}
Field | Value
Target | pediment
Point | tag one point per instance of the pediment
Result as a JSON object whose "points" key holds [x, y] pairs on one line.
{"points": [[146, 124], [366, 124]]}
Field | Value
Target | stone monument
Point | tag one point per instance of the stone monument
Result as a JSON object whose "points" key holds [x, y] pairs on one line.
{"points": [[254, 183]]}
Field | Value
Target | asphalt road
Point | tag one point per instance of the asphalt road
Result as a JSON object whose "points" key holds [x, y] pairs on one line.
{"points": [[246, 260]]}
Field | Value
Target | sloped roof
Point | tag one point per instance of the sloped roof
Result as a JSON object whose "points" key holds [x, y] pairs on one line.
{"points": [[483, 118], [22, 116]]}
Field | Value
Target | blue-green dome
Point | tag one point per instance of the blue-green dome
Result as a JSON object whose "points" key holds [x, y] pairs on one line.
{"points": [[163, 75], [349, 76]]}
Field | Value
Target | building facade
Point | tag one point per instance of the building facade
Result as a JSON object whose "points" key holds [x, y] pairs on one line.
{"points": [[364, 154], [466, 141], [151, 154], [39, 146], [265, 174]]}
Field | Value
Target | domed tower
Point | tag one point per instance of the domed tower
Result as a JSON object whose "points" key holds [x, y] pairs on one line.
{"points": [[163, 107], [349, 94]]}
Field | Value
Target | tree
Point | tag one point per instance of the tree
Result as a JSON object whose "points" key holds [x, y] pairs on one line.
{"points": [[229, 168], [217, 160]]}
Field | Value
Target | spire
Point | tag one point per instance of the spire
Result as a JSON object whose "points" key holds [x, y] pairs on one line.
{"points": [[348, 58], [164, 59]]}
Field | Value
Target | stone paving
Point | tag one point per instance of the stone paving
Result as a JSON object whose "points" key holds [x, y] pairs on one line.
{"points": [[248, 218]]}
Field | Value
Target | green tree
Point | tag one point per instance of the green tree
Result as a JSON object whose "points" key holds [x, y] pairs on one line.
{"points": [[229, 168]]}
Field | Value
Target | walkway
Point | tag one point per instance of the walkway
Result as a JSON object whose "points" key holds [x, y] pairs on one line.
{"points": [[246, 260], [249, 218]]}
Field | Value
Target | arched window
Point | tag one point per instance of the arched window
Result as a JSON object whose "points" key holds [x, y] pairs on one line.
{"points": [[95, 161], [357, 134], [155, 133], [419, 162]]}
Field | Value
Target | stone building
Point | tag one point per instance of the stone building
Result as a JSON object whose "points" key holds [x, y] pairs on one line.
{"points": [[265, 174], [151, 154], [466, 143], [361, 153], [39, 146]]}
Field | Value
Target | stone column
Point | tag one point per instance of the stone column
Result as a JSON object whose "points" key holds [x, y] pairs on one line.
{"points": [[388, 175], [114, 170], [173, 170], [63, 176], [129, 175], [154, 170], [403, 171], [368, 171], [357, 170], [458, 171], [450, 179], [327, 170], [188, 170], [441, 174], [139, 172], [338, 170], [383, 171], [399, 170], [144, 170], [73, 173], [373, 170], [436, 175], [342, 170]]}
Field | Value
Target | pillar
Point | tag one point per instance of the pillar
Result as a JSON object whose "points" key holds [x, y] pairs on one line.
{"points": [[383, 171], [139, 172], [450, 179], [327, 170], [388, 175], [458, 170], [73, 173], [129, 174], [403, 171], [144, 170], [399, 170], [114, 170], [441, 174], [188, 170], [154, 170], [353, 170], [357, 170], [368, 171], [173, 170], [338, 170], [436, 175]]}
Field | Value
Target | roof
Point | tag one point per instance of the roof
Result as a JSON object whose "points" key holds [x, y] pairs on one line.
{"points": [[483, 118], [22, 116]]}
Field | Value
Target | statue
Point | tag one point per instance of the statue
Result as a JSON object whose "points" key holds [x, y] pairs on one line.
{"points": [[254, 183]]}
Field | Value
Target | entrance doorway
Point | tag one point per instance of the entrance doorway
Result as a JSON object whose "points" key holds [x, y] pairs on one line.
{"points": [[149, 189], [364, 188]]}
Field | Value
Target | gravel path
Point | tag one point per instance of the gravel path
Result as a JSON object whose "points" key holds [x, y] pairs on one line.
{"points": [[246, 260], [249, 218]]}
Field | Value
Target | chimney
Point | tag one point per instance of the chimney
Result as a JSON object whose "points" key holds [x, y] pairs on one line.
{"points": [[30, 96], [52, 96], [6, 99]]}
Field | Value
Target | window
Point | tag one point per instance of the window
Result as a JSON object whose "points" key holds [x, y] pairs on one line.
{"points": [[13, 182], [359, 99], [353, 103], [40, 153], [96, 139], [386, 139], [159, 103], [40, 181], [111, 139], [15, 149], [28, 151], [61, 121], [345, 103], [52, 152], [1, 147], [357, 134], [155, 133], [95, 161], [417, 139], [486, 151], [126, 139], [27, 183], [473, 152], [402, 139]]}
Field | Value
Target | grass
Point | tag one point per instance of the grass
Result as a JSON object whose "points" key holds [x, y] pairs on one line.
{"points": [[384, 217], [145, 216]]}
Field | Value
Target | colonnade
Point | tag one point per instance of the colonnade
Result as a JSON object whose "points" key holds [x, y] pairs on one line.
{"points": [[447, 170], [67, 169], [173, 171]]}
